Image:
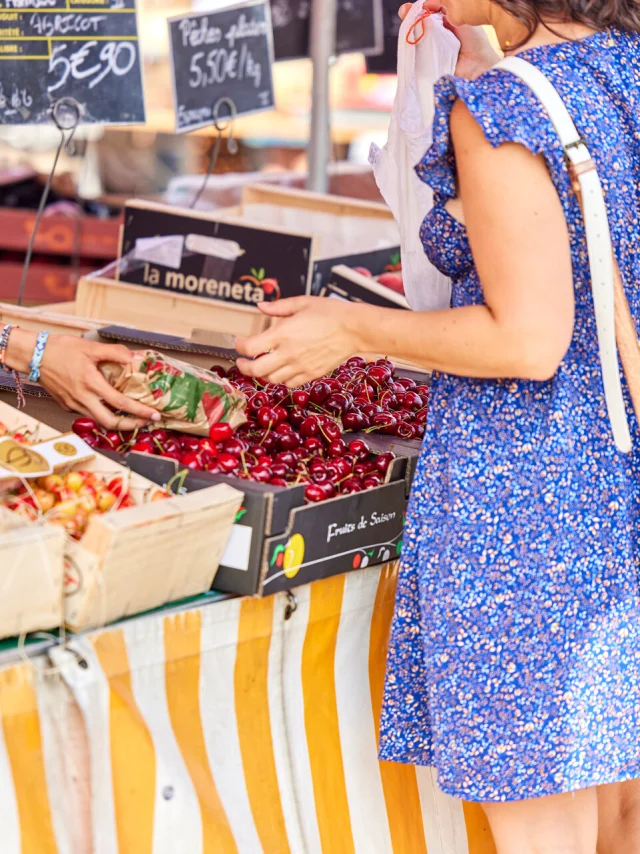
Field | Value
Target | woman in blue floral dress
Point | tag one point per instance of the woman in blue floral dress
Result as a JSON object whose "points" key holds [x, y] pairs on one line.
{"points": [[514, 663]]}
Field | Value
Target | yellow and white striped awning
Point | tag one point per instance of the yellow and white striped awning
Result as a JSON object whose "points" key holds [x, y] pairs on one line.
{"points": [[225, 729]]}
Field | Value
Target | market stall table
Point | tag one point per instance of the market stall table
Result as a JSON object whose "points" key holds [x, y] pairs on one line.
{"points": [[225, 725]]}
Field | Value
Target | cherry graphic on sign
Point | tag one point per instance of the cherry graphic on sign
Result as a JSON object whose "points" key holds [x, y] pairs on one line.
{"points": [[269, 286], [394, 265]]}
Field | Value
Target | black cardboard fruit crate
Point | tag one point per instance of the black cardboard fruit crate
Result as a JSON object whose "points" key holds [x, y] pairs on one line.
{"points": [[279, 542]]}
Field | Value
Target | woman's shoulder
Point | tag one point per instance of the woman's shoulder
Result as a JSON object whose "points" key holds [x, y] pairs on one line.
{"points": [[596, 76], [503, 106]]}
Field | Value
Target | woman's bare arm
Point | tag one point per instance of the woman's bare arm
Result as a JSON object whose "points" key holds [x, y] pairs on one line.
{"points": [[520, 244]]}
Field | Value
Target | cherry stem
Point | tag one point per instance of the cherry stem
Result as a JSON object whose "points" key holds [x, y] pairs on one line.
{"points": [[266, 433], [179, 477]]}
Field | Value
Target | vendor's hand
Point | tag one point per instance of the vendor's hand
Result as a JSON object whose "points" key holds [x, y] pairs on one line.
{"points": [[314, 337], [476, 53], [69, 372]]}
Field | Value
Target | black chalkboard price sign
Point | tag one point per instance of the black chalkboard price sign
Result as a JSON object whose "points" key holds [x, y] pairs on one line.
{"points": [[291, 19], [359, 27], [82, 49], [227, 53], [387, 61]]}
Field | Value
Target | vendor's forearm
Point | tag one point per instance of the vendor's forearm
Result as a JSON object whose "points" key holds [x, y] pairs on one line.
{"points": [[20, 349], [466, 341]]}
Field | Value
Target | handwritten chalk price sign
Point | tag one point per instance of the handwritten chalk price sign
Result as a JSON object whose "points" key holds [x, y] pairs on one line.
{"points": [[223, 54], [82, 49], [359, 27]]}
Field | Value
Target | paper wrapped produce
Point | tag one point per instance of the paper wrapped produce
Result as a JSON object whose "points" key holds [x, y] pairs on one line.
{"points": [[188, 398]]}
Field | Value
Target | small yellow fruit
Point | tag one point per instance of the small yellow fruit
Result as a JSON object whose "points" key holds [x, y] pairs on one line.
{"points": [[66, 508], [88, 503], [45, 499], [106, 500], [52, 482], [74, 481]]}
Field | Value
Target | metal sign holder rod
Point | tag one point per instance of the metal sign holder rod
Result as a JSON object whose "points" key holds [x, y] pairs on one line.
{"points": [[322, 39], [221, 125], [66, 114]]}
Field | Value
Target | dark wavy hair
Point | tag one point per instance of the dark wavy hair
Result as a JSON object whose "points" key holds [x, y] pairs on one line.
{"points": [[598, 14]]}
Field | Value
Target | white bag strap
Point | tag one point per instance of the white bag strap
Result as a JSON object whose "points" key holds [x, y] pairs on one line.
{"points": [[599, 247]]}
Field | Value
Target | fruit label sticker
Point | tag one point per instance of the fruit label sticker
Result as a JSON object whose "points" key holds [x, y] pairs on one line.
{"points": [[42, 458]]}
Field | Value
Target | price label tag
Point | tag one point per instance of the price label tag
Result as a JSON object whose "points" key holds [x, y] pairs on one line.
{"points": [[83, 49], [42, 458], [223, 54]]}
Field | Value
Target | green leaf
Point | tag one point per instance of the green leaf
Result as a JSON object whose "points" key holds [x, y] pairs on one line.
{"points": [[395, 258], [261, 274], [399, 546], [162, 382], [186, 393], [254, 273], [240, 513], [371, 553]]}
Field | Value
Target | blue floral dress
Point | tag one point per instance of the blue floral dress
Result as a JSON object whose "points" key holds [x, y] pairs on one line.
{"points": [[514, 660]]}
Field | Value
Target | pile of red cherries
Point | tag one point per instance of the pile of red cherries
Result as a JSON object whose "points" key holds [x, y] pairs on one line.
{"points": [[297, 436]]}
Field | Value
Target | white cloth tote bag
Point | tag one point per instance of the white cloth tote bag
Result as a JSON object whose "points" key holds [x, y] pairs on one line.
{"points": [[423, 57]]}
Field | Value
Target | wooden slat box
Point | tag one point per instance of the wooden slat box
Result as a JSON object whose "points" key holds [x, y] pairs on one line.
{"points": [[101, 301], [141, 557]]}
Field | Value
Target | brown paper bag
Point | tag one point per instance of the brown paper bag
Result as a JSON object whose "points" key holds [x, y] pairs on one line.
{"points": [[188, 398]]}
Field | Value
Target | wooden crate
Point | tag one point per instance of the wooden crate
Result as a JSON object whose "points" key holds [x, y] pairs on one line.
{"points": [[86, 236], [306, 200], [340, 226], [48, 282], [32, 561], [59, 318], [139, 558], [102, 301], [163, 311], [65, 248]]}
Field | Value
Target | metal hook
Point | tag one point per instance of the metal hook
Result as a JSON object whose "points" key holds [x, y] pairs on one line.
{"points": [[291, 607], [66, 114], [232, 145], [221, 124]]}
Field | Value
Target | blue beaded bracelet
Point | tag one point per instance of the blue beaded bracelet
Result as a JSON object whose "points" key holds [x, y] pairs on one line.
{"points": [[36, 359]]}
